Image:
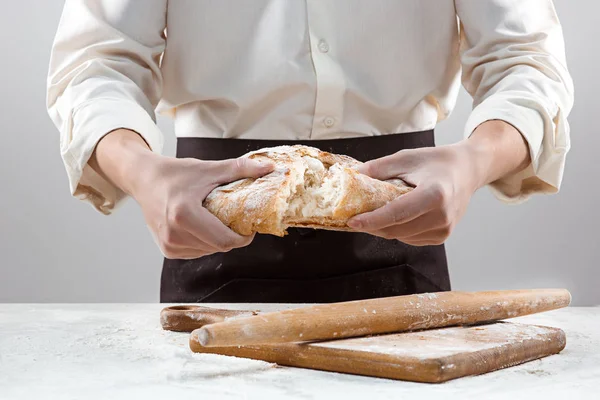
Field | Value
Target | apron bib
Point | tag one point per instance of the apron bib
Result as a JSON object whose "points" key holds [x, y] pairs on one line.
{"points": [[307, 266]]}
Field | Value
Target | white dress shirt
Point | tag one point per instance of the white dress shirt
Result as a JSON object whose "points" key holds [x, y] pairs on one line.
{"points": [[307, 69]]}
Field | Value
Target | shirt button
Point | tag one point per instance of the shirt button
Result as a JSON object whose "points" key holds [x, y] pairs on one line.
{"points": [[328, 122], [323, 46]]}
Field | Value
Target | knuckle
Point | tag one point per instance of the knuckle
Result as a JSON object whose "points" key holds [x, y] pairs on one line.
{"points": [[177, 213], [240, 163], [438, 194], [365, 221], [370, 168]]}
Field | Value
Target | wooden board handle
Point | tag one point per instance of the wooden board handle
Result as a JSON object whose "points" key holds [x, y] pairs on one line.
{"points": [[186, 318], [382, 315]]}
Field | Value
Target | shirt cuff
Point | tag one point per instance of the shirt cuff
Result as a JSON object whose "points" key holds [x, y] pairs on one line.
{"points": [[89, 123], [546, 133]]}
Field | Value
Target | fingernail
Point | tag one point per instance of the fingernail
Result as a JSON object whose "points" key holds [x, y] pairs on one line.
{"points": [[355, 223], [263, 165], [269, 166]]}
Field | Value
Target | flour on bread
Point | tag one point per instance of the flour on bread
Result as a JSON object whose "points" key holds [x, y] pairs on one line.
{"points": [[308, 188]]}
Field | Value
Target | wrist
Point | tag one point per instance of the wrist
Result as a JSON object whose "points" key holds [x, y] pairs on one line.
{"points": [[478, 155], [137, 173], [122, 157], [496, 149]]}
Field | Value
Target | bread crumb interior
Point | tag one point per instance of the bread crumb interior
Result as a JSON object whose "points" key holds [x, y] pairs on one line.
{"points": [[316, 192]]}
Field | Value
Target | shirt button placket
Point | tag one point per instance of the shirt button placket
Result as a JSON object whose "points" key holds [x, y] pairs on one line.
{"points": [[330, 80]]}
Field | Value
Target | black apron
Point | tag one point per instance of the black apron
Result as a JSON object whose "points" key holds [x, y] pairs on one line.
{"points": [[306, 266]]}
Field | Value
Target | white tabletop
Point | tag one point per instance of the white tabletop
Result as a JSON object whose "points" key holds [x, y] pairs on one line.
{"points": [[119, 351]]}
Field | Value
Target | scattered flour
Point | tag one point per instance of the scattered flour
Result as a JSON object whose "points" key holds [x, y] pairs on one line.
{"points": [[443, 342], [429, 296], [119, 351]]}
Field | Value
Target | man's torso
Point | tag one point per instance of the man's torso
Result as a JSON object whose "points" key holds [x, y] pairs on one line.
{"points": [[299, 70]]}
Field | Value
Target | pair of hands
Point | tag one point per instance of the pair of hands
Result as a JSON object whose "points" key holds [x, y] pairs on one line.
{"points": [[424, 216], [170, 190]]}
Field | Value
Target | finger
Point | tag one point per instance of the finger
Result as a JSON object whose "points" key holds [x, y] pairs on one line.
{"points": [[209, 229], [177, 237], [411, 241], [185, 254], [175, 252], [387, 167], [427, 222], [422, 243], [238, 168], [177, 243], [190, 254], [399, 211], [434, 236]]}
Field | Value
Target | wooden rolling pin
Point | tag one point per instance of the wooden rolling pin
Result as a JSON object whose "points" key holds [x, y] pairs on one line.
{"points": [[377, 316]]}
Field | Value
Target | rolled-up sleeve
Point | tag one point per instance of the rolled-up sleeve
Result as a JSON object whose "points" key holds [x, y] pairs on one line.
{"points": [[104, 75], [514, 67]]}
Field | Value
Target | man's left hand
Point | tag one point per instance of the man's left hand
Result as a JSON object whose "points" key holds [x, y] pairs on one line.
{"points": [[445, 178]]}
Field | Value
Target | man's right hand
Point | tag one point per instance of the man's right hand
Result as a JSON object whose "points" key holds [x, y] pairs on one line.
{"points": [[171, 191]]}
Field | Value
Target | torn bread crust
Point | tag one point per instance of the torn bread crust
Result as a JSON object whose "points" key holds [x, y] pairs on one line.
{"points": [[308, 188]]}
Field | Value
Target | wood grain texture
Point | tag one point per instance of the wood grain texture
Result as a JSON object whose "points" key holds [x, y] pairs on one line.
{"points": [[379, 316], [188, 318], [426, 356]]}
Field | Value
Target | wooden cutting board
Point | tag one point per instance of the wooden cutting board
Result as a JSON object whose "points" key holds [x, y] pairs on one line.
{"points": [[435, 355]]}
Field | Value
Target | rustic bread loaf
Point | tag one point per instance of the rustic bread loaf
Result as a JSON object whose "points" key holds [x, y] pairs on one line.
{"points": [[308, 188]]}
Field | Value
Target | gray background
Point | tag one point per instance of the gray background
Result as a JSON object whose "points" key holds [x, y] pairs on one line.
{"points": [[54, 248]]}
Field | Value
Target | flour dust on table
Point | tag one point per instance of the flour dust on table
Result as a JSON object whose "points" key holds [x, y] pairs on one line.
{"points": [[119, 351]]}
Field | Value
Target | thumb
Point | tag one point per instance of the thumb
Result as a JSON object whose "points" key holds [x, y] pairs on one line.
{"points": [[239, 168], [387, 167]]}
